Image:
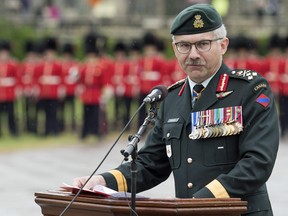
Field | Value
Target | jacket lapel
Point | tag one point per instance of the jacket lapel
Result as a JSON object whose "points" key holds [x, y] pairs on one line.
{"points": [[185, 101]]}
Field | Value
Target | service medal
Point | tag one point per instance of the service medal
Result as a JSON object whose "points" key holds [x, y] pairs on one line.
{"points": [[205, 132], [224, 130]]}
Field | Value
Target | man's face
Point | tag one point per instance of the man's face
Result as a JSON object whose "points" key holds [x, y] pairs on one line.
{"points": [[199, 65]]}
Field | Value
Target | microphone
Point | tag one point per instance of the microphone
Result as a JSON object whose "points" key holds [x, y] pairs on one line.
{"points": [[158, 93]]}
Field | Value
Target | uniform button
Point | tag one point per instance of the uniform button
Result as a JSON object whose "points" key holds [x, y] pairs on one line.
{"points": [[168, 135], [189, 160], [190, 185]]}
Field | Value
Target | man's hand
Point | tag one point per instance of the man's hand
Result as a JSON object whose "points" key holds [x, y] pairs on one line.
{"points": [[95, 180]]}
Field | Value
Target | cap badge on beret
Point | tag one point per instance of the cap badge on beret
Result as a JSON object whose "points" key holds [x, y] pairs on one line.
{"points": [[198, 22]]}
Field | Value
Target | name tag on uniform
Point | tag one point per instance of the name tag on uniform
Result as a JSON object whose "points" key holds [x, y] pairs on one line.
{"points": [[173, 120]]}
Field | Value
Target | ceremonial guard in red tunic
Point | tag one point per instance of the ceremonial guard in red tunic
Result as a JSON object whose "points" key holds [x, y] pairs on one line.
{"points": [[29, 68], [93, 77], [175, 71], [51, 88], [132, 79], [271, 68], [152, 72], [283, 92], [120, 68], [246, 55], [9, 83], [70, 75]]}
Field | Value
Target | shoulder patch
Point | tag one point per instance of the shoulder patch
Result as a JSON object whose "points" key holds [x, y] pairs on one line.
{"points": [[244, 74], [176, 85], [260, 86], [263, 100]]}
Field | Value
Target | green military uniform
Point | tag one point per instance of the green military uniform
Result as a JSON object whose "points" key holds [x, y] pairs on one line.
{"points": [[221, 167], [235, 159]]}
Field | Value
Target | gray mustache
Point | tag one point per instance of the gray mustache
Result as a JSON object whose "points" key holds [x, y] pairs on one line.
{"points": [[195, 62]]}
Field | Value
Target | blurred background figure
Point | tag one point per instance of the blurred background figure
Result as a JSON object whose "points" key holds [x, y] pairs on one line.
{"points": [[283, 91], [50, 13], [70, 75], [132, 81], [93, 77], [9, 87], [28, 72], [273, 62], [119, 70], [152, 70], [51, 86]]}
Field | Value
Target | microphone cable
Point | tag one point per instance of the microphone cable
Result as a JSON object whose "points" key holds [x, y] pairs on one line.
{"points": [[102, 161]]}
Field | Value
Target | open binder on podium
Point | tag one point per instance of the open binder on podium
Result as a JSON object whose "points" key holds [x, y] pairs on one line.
{"points": [[99, 191]]}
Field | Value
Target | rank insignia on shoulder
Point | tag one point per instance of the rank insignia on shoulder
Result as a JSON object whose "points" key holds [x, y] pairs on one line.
{"points": [[263, 100], [175, 85], [247, 74]]}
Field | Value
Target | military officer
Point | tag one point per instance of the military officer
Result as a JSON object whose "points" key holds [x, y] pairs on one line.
{"points": [[220, 141]]}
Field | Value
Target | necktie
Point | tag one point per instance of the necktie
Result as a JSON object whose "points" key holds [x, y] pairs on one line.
{"points": [[197, 89]]}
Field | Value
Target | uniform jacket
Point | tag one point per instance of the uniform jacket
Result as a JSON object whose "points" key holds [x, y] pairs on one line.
{"points": [[9, 80], [120, 68], [93, 77], [70, 75], [152, 72], [284, 78], [50, 80], [28, 71], [272, 69], [221, 167]]}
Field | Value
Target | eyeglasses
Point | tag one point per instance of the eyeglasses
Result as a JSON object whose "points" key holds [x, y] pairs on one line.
{"points": [[202, 46]]}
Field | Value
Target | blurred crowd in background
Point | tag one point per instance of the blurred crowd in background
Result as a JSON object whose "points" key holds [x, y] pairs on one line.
{"points": [[39, 94], [50, 78]]}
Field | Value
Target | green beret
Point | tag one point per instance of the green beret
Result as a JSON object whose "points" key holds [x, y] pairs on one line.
{"points": [[197, 18]]}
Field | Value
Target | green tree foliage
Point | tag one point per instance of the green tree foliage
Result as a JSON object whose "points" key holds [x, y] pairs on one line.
{"points": [[17, 35]]}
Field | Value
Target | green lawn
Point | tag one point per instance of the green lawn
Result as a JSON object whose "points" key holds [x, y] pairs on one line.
{"points": [[27, 141]]}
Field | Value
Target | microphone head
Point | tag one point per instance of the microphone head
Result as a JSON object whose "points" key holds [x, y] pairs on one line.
{"points": [[163, 90], [158, 93]]}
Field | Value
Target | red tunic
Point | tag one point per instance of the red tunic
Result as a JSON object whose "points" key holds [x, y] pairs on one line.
{"points": [[93, 78], [151, 74], [70, 76], [271, 71], [9, 80], [50, 79]]}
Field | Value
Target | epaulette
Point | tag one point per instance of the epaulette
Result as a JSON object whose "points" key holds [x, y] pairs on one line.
{"points": [[243, 74], [176, 85]]}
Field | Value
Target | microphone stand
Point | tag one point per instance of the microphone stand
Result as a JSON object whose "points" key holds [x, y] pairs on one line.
{"points": [[131, 149]]}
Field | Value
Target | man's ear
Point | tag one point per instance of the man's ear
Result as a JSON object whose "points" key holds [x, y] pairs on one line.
{"points": [[224, 45], [174, 48]]}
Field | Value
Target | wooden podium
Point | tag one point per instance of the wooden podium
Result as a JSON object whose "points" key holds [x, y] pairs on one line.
{"points": [[53, 203]]}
